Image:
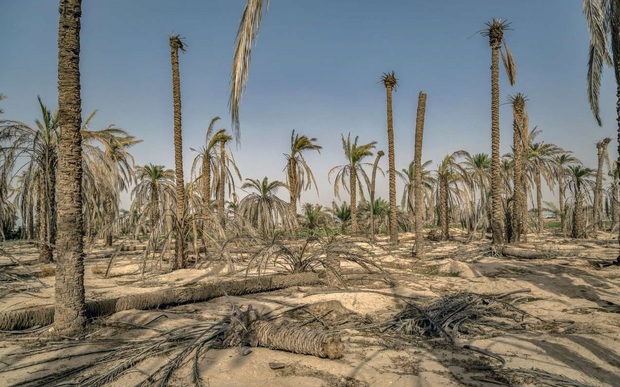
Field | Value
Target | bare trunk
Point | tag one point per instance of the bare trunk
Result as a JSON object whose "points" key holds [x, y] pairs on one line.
{"points": [[181, 253], [222, 187], [419, 248], [578, 226], [353, 186], [444, 221], [69, 312], [392, 169], [519, 194], [293, 188], [561, 200], [496, 205], [539, 211], [372, 194]]}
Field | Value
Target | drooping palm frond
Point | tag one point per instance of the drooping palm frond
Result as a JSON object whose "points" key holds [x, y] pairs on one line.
{"points": [[246, 34], [597, 19]]}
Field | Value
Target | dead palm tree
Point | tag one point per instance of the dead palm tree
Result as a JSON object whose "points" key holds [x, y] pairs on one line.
{"points": [[390, 82], [299, 176], [69, 310], [353, 170], [177, 44], [495, 32], [603, 156], [580, 184]]}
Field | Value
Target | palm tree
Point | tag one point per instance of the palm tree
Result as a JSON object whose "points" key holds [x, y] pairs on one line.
{"points": [[39, 146], [224, 177], [299, 176], [407, 175], [342, 213], [205, 157], [314, 216], [477, 168], [418, 246], [581, 181], [354, 154], [262, 209], [153, 194], [177, 44], [539, 163], [391, 83], [603, 156], [495, 32], [70, 307], [449, 173], [562, 162]]}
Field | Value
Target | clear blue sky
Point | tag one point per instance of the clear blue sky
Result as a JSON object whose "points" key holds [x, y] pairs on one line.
{"points": [[315, 69]]}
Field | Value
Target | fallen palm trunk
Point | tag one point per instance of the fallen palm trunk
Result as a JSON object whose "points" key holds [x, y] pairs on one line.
{"points": [[517, 252], [41, 316]]}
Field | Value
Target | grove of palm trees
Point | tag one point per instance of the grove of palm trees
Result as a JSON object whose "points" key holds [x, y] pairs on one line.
{"points": [[216, 221]]}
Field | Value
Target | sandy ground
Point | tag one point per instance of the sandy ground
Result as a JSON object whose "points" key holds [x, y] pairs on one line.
{"points": [[570, 337]]}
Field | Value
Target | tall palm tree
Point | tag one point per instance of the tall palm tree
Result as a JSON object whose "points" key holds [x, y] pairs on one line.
{"points": [[153, 194], [603, 19], [354, 154], [477, 168], [263, 209], [177, 44], [205, 157], [224, 177], [520, 127], [69, 310], [562, 162], [418, 246], [390, 82], [299, 176], [581, 181], [603, 156], [495, 32]]}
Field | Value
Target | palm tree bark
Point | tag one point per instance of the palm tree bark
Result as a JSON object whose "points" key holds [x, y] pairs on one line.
{"points": [[180, 256], [293, 188], [372, 194], [578, 227], [69, 312], [419, 200], [561, 192], [539, 212], [444, 223], [496, 208], [601, 148], [391, 168], [519, 193]]}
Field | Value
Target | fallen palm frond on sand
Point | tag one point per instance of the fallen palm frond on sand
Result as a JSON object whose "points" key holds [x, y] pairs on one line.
{"points": [[41, 316], [460, 313], [241, 328]]}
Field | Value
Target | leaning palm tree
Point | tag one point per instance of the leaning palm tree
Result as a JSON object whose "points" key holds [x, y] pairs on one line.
{"points": [[561, 163], [299, 176], [390, 82], [603, 156], [70, 306], [495, 32], [177, 44], [353, 170], [580, 184], [263, 210]]}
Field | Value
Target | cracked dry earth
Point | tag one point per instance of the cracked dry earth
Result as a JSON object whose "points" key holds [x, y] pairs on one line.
{"points": [[569, 333]]}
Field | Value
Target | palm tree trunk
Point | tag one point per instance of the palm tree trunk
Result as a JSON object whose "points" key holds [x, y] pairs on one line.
{"points": [[109, 219], [69, 312], [206, 192], [45, 250], [496, 207], [180, 256], [353, 182], [444, 223], [391, 169], [578, 228], [561, 200], [419, 200], [222, 186], [293, 188], [539, 212], [519, 194]]}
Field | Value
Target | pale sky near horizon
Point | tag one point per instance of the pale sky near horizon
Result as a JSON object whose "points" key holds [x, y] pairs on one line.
{"points": [[315, 69]]}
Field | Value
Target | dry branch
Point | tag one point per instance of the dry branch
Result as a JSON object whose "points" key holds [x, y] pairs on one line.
{"points": [[41, 316]]}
